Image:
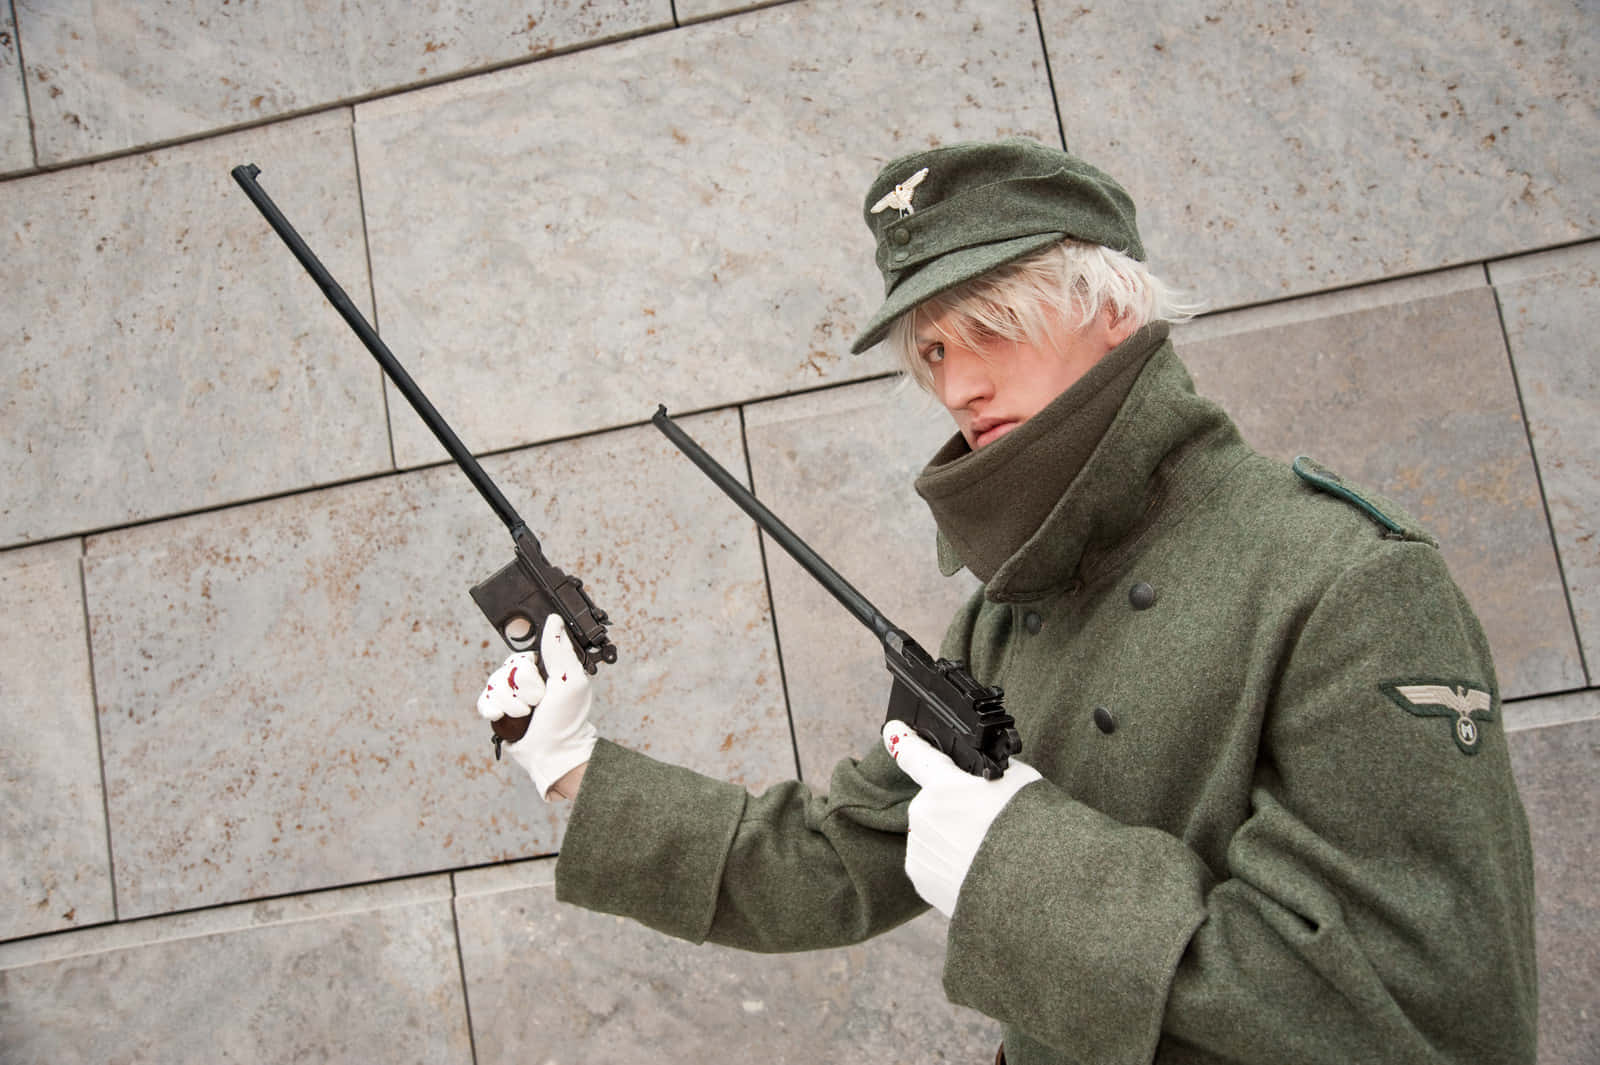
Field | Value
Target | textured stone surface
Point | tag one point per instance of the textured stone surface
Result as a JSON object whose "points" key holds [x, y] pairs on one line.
{"points": [[837, 468], [580, 239], [107, 76], [56, 871], [1556, 771], [554, 983], [1362, 141], [1550, 303], [164, 352], [1416, 401], [286, 690], [16, 139], [361, 976]]}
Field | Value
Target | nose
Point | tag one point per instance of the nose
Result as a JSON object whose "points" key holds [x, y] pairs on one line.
{"points": [[963, 379]]}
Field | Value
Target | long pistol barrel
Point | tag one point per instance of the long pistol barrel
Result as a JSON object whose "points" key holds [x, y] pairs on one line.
{"points": [[813, 564], [245, 175]]}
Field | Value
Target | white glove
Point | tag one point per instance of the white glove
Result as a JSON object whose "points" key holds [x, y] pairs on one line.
{"points": [[560, 737], [950, 816]]}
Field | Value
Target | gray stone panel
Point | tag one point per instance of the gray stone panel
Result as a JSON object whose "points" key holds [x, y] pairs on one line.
{"points": [[164, 350], [286, 689], [16, 138], [675, 219], [549, 982], [56, 870], [837, 467], [1550, 303], [1280, 149], [108, 76], [360, 976], [1415, 400], [1556, 769]]}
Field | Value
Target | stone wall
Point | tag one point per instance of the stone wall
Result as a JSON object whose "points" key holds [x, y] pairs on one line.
{"points": [[250, 813]]}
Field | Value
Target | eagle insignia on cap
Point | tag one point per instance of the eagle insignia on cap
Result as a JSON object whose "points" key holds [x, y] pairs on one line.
{"points": [[899, 197], [1467, 705]]}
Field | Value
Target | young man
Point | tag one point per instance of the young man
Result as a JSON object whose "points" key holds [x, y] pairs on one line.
{"points": [[1266, 812]]}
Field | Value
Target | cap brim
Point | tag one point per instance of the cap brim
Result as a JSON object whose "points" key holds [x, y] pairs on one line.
{"points": [[942, 274]]}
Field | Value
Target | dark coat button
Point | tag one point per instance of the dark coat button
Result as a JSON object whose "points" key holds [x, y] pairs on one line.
{"points": [[1034, 622], [1104, 721], [1142, 596]]}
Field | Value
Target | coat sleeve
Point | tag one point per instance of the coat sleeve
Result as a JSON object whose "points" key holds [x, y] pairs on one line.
{"points": [[1375, 905], [703, 860]]}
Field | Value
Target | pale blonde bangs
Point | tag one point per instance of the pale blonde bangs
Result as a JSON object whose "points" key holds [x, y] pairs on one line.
{"points": [[1028, 299]]}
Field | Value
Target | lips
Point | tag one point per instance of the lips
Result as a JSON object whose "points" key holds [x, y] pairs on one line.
{"points": [[988, 430]]}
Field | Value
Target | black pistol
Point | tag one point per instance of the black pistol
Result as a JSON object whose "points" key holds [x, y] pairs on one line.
{"points": [[939, 699], [519, 598]]}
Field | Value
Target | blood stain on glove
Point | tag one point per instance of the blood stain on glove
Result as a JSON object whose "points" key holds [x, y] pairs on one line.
{"points": [[511, 678]]}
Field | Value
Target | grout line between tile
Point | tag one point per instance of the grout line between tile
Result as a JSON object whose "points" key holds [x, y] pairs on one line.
{"points": [[22, 76], [99, 742], [772, 606], [1049, 76], [372, 285], [1538, 480], [461, 971]]}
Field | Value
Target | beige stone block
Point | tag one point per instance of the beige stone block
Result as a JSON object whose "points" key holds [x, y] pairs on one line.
{"points": [[1415, 400], [609, 990], [1556, 770], [675, 219], [369, 974], [287, 689], [1278, 149], [107, 76], [57, 870], [1549, 304], [164, 351]]}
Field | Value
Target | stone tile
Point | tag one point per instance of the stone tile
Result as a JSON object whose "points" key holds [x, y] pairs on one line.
{"points": [[368, 975], [16, 137], [57, 872], [699, 10], [614, 991], [286, 689], [1549, 304], [674, 219], [1363, 141], [172, 353], [1416, 401], [1556, 770], [837, 468], [110, 76]]}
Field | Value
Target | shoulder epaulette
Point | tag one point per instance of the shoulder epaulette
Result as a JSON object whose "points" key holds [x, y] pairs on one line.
{"points": [[1396, 523]]}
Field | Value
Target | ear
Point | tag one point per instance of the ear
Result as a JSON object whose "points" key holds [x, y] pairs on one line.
{"points": [[1118, 327]]}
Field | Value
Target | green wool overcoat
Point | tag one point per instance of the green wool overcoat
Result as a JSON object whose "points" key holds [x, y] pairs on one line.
{"points": [[1277, 822]]}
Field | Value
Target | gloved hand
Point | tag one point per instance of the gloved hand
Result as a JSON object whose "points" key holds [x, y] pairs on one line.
{"points": [[950, 816], [560, 737]]}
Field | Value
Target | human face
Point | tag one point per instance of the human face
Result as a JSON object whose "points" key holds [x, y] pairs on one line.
{"points": [[994, 385]]}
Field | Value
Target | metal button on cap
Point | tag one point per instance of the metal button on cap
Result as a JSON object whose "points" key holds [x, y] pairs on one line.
{"points": [[1034, 622], [1142, 596], [902, 236], [1104, 720]]}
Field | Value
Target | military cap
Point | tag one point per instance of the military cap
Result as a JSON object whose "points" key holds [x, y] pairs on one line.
{"points": [[945, 216]]}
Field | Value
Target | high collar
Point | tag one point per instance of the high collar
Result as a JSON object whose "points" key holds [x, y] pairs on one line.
{"points": [[1064, 489]]}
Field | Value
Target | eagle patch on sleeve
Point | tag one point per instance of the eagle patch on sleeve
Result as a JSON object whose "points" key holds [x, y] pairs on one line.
{"points": [[1468, 705]]}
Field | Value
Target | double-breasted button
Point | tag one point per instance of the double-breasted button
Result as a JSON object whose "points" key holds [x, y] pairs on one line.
{"points": [[1104, 720], [1033, 622], [1142, 596]]}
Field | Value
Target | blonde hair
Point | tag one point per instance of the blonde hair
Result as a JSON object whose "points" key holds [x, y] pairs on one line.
{"points": [[1025, 299]]}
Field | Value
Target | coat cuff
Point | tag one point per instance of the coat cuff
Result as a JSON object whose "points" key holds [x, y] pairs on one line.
{"points": [[1070, 925], [648, 841]]}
